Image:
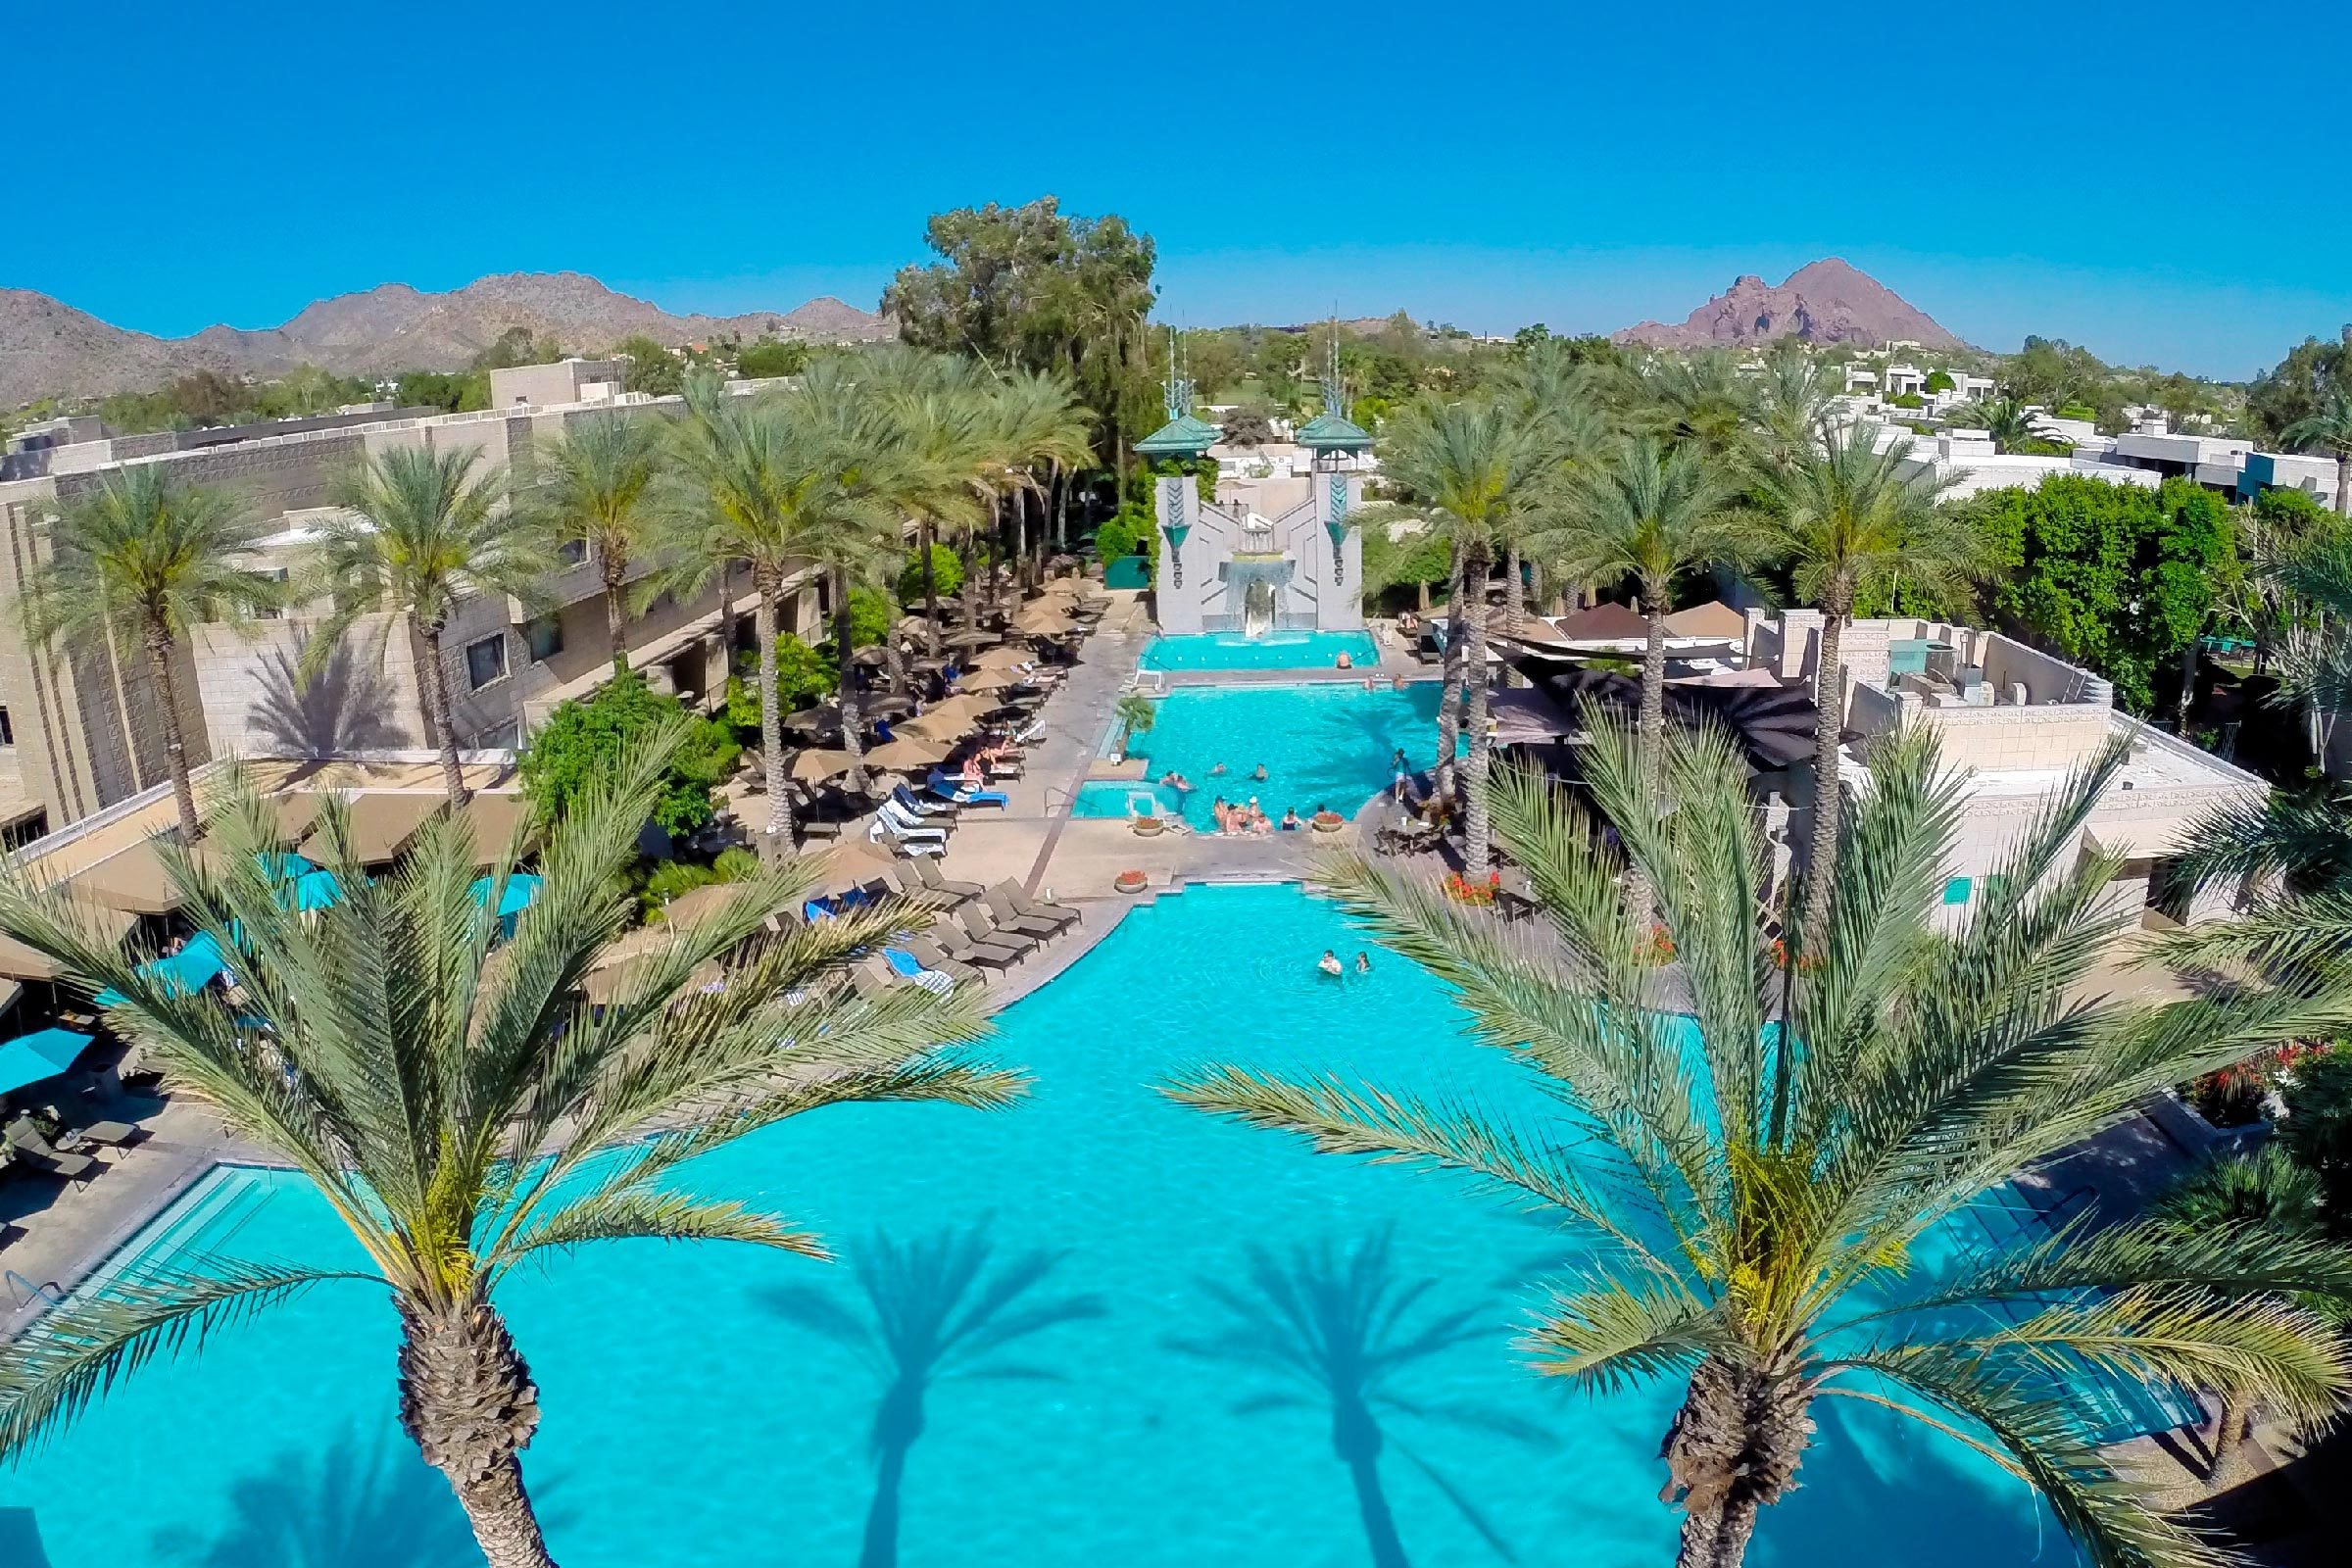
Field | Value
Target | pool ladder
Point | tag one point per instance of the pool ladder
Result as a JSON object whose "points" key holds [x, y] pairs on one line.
{"points": [[23, 1293]]}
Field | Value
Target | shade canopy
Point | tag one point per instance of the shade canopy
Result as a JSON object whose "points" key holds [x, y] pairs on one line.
{"points": [[905, 755], [107, 924], [382, 821], [29, 1058], [624, 965], [1529, 629], [970, 639], [696, 905], [495, 818], [316, 891], [131, 879], [1000, 658], [197, 965], [1713, 619], [1604, 624], [297, 814], [940, 723], [1774, 725], [817, 764], [991, 680]]}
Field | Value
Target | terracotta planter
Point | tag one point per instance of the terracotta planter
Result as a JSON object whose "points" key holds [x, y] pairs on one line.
{"points": [[1131, 882], [1148, 826], [1329, 821]]}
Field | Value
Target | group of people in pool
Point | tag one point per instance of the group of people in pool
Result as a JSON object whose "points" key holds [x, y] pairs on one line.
{"points": [[1244, 816], [1333, 969]]}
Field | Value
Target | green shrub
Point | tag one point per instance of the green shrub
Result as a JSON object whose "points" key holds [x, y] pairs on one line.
{"points": [[2317, 1130], [803, 678], [1908, 400], [946, 575], [584, 739], [1938, 382]]}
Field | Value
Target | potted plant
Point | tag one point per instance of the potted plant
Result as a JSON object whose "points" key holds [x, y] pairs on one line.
{"points": [[1328, 821], [1135, 715], [1147, 826], [1131, 881]]}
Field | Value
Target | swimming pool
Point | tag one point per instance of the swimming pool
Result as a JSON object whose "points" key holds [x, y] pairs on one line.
{"points": [[1276, 650], [1327, 743], [1152, 1402]]}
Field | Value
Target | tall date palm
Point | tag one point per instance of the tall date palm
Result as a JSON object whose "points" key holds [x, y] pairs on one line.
{"points": [[598, 486], [417, 533], [1752, 1188], [462, 1109], [141, 558]]}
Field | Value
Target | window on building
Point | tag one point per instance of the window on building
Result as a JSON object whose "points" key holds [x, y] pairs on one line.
{"points": [[504, 736], [280, 575], [545, 635], [8, 730], [573, 551], [1956, 891], [486, 661]]}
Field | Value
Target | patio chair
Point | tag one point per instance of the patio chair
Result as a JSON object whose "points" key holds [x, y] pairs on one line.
{"points": [[962, 947], [33, 1152], [904, 885], [1061, 915], [1007, 918], [883, 833], [926, 952], [981, 928], [903, 797], [906, 966], [948, 789], [907, 825], [931, 876]]}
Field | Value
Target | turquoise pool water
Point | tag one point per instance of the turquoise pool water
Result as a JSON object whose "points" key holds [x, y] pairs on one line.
{"points": [[1327, 743], [1158, 1393], [1279, 649]]}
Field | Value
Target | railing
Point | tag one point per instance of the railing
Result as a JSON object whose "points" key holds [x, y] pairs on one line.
{"points": [[31, 1292]]}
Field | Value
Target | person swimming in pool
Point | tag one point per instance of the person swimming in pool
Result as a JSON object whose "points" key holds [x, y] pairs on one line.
{"points": [[1259, 773], [1290, 820], [1176, 781], [1217, 771], [1363, 963], [1330, 964]]}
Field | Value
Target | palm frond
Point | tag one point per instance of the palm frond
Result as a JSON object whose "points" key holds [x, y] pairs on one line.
{"points": [[639, 1214]]}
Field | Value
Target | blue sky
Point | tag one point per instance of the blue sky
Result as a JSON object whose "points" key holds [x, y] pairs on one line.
{"points": [[2155, 180]]}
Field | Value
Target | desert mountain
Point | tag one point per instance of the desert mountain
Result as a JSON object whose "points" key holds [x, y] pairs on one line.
{"points": [[1828, 302], [47, 347]]}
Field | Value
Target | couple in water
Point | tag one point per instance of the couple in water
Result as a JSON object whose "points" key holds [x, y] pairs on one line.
{"points": [[1331, 966]]}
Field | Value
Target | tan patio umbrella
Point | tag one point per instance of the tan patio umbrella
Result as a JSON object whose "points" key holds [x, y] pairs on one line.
{"points": [[382, 821], [907, 755], [1044, 621], [991, 680], [132, 880], [494, 817], [1000, 658], [818, 763], [623, 965], [940, 723], [696, 905], [963, 704]]}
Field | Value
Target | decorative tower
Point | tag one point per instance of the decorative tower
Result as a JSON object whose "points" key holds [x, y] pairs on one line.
{"points": [[1175, 504], [1336, 443]]}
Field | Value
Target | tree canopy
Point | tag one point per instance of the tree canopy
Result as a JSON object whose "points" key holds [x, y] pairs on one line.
{"points": [[584, 741]]}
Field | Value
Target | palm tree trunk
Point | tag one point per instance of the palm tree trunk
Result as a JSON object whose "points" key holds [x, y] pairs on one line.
{"points": [[1828, 692], [1423, 588], [1514, 606], [1641, 897], [2343, 482], [726, 624], [468, 1401], [617, 616], [926, 540], [433, 686], [775, 841], [1021, 537], [1476, 858], [1450, 722], [176, 746], [851, 741], [1734, 1447]]}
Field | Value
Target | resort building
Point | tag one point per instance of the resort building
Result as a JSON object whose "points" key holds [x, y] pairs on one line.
{"points": [[76, 725], [2020, 723], [1278, 552]]}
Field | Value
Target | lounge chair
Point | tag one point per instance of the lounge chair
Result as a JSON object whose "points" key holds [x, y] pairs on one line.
{"points": [[1061, 915], [926, 952], [906, 821], [906, 799], [982, 929], [1030, 734], [912, 890], [908, 967], [35, 1153], [962, 947], [868, 983], [931, 876], [883, 833], [948, 789], [1008, 918]]}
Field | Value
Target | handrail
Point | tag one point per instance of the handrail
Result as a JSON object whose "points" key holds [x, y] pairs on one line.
{"points": [[50, 1293]]}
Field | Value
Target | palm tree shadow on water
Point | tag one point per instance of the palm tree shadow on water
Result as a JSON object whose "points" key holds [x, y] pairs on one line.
{"points": [[358, 1504], [936, 1310], [1337, 1328]]}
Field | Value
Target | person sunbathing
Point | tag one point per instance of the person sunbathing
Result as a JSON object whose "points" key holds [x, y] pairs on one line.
{"points": [[972, 776]]}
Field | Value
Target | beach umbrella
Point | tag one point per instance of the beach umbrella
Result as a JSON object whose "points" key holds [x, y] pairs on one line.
{"points": [[316, 890], [1054, 624], [519, 892], [29, 1058], [971, 639], [991, 680], [815, 765], [940, 723], [907, 755], [1000, 658]]}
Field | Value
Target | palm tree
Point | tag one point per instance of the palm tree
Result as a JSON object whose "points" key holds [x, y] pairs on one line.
{"points": [[143, 555], [1749, 1185], [1787, 404], [2009, 422], [463, 1110], [1848, 517], [2330, 429], [939, 1312], [1474, 467], [942, 407], [1651, 515], [1558, 394], [1036, 424], [418, 532], [598, 486], [1698, 398]]}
